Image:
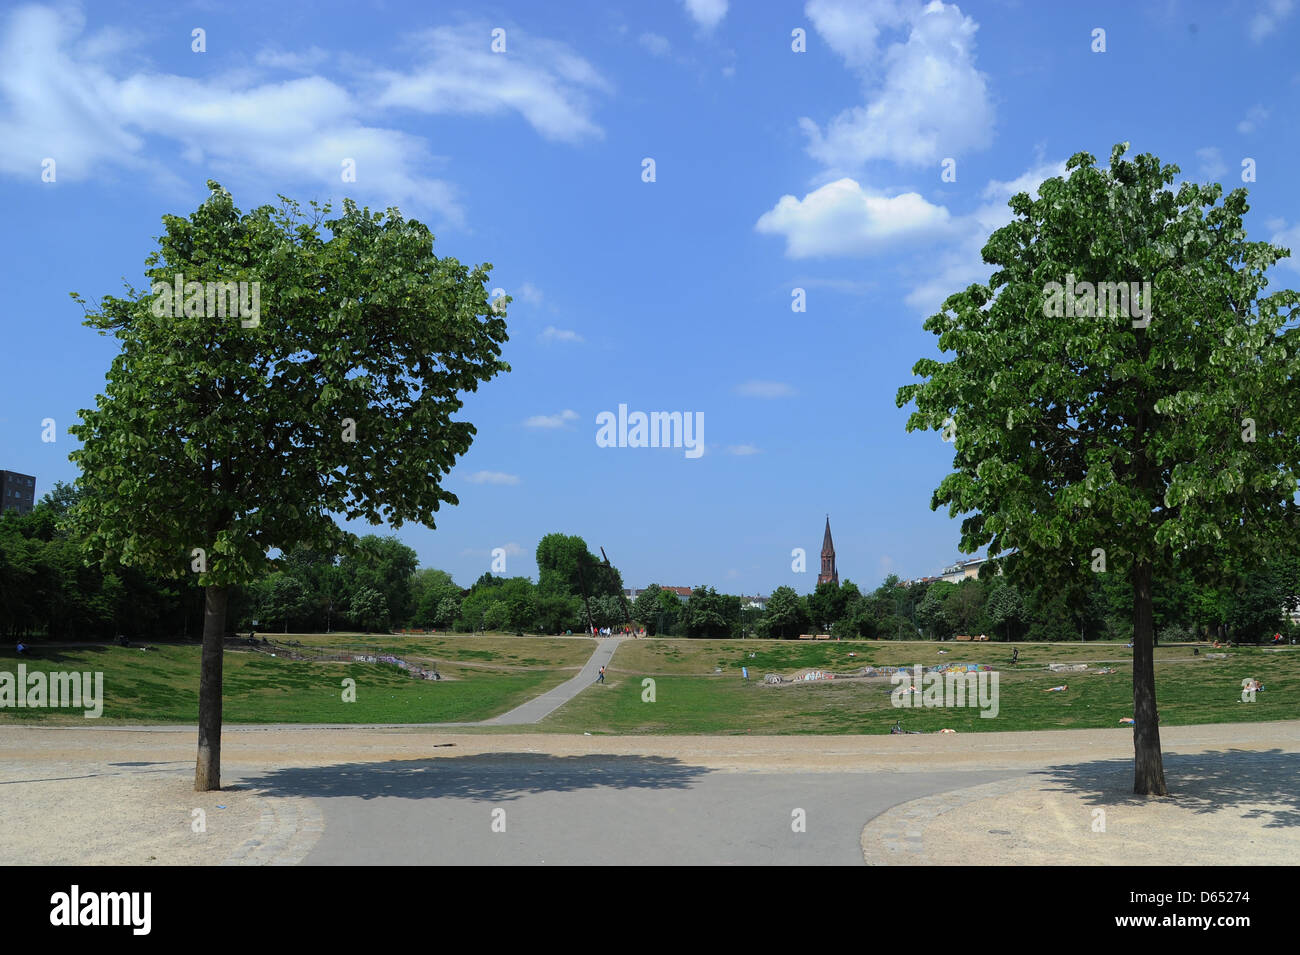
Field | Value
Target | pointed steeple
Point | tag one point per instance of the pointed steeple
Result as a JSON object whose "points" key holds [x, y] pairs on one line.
{"points": [[828, 571]]}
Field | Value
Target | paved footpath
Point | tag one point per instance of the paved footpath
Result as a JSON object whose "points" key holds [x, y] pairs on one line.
{"points": [[540, 707], [77, 795]]}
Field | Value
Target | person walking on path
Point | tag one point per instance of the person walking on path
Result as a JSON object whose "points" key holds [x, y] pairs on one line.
{"points": [[601, 678]]}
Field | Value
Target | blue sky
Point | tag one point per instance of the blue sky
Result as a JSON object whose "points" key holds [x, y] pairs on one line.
{"points": [[774, 170]]}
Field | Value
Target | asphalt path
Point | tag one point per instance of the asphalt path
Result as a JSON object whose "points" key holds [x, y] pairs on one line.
{"points": [[542, 706], [524, 809]]}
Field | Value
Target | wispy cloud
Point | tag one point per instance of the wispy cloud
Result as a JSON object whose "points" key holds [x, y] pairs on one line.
{"points": [[512, 549], [1254, 118], [1211, 160], [492, 477], [1287, 239], [742, 450], [552, 421], [553, 334], [542, 80], [79, 98], [655, 44], [1263, 24], [961, 262], [530, 293], [765, 389]]}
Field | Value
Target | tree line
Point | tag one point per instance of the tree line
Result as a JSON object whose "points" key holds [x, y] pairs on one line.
{"points": [[47, 590]]}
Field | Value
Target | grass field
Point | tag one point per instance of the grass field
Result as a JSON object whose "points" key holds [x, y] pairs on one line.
{"points": [[691, 698], [487, 675], [161, 685]]}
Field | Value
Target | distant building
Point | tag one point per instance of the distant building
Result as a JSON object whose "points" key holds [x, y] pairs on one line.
{"points": [[964, 570], [17, 492], [828, 571]]}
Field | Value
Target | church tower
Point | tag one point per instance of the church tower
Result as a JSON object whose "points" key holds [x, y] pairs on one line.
{"points": [[828, 573]]}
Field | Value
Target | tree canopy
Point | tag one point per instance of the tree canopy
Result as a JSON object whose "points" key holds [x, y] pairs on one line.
{"points": [[220, 437], [1140, 434]]}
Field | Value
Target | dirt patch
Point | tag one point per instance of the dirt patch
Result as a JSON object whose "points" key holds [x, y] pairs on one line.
{"points": [[68, 813]]}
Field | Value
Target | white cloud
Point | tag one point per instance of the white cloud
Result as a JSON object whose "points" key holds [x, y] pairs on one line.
{"points": [[1264, 23], [492, 477], [962, 262], [66, 98], [542, 80], [851, 28], [1288, 239], [552, 421], [655, 44], [553, 334], [742, 450], [1028, 181], [77, 98], [765, 389], [530, 293], [707, 13], [1254, 117], [1211, 160], [841, 218], [925, 99]]}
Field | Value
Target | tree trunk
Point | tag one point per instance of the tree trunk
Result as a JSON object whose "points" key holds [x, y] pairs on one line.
{"points": [[207, 769], [1148, 767]]}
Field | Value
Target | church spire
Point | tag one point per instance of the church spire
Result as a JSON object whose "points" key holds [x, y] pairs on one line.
{"points": [[828, 571]]}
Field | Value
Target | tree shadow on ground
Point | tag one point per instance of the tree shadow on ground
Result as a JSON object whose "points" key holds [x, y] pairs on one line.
{"points": [[1201, 782], [36, 653], [495, 776]]}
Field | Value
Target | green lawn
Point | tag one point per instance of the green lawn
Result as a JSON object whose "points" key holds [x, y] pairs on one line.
{"points": [[690, 698], [161, 686], [488, 675]]}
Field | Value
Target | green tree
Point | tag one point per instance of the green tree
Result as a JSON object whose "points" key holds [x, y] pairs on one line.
{"points": [[429, 590], [705, 614], [1006, 610], [645, 609], [932, 614], [220, 437], [557, 613], [1085, 435], [826, 605], [671, 610], [368, 609], [280, 597], [384, 564], [787, 613]]}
